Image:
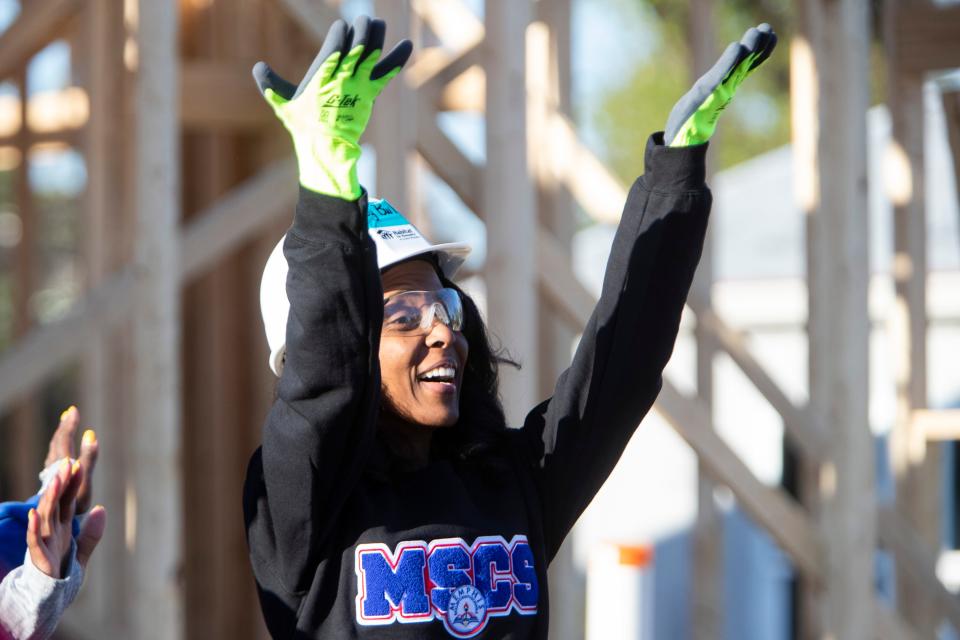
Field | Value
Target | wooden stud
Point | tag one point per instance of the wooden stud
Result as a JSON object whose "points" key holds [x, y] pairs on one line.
{"points": [[508, 205], [548, 92], [916, 466], [394, 125], [156, 587], [25, 417], [838, 323], [706, 614], [104, 387], [804, 96]]}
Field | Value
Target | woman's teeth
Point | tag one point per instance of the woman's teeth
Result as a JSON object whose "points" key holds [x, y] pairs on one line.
{"points": [[440, 374]]}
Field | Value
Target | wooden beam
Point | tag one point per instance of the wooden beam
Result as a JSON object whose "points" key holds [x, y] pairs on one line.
{"points": [[447, 161], [157, 599], [456, 26], [937, 424], [592, 185], [434, 67], [770, 507], [65, 137], [238, 216], [218, 96], [46, 349], [466, 92], [919, 560], [799, 423], [32, 30], [450, 20]]}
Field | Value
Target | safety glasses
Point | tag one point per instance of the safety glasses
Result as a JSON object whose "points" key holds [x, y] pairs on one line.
{"points": [[413, 313]]}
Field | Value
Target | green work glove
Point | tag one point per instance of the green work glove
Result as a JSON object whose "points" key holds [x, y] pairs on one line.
{"points": [[329, 110], [694, 118]]}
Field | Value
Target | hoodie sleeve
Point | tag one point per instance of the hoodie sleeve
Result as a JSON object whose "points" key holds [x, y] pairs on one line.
{"points": [[576, 437], [32, 603], [321, 424]]}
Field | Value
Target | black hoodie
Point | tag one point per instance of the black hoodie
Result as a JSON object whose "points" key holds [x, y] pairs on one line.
{"points": [[449, 550]]}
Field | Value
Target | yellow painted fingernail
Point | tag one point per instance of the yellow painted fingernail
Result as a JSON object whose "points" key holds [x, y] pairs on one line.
{"points": [[76, 466], [89, 437], [66, 412]]}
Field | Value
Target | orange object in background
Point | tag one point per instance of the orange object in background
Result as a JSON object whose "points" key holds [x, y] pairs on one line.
{"points": [[636, 555], [620, 592]]}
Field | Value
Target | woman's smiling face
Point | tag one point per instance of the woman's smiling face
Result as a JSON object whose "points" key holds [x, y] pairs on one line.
{"points": [[405, 359]]}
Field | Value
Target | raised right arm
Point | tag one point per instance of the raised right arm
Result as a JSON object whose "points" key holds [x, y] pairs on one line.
{"points": [[320, 426], [322, 422]]}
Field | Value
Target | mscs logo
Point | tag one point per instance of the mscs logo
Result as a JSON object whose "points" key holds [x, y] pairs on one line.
{"points": [[462, 585]]}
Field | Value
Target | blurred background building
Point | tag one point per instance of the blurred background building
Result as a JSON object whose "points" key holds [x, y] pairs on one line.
{"points": [[798, 477]]}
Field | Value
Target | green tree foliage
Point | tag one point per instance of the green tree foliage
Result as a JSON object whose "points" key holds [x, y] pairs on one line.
{"points": [[757, 120]]}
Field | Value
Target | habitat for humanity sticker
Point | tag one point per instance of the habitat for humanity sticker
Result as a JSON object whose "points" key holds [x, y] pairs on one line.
{"points": [[392, 234]]}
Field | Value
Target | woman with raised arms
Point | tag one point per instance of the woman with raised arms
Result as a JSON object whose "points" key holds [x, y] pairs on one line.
{"points": [[389, 498]]}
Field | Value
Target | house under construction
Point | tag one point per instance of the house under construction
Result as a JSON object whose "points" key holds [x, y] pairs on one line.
{"points": [[189, 183]]}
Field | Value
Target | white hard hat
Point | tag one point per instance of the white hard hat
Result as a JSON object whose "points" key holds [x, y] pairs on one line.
{"points": [[396, 240]]}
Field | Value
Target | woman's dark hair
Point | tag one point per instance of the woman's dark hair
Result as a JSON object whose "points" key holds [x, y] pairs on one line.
{"points": [[482, 425]]}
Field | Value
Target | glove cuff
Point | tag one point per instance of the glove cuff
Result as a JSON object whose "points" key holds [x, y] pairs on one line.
{"points": [[329, 166]]}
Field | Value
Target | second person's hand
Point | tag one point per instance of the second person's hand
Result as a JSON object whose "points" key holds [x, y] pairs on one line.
{"points": [[49, 526], [63, 445]]}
